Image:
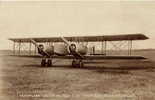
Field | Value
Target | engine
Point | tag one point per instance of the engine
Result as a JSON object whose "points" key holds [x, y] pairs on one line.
{"points": [[78, 48], [81, 49], [48, 49]]}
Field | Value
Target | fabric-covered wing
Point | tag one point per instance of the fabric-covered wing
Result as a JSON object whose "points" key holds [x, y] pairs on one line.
{"points": [[100, 57], [87, 57], [39, 56], [85, 38]]}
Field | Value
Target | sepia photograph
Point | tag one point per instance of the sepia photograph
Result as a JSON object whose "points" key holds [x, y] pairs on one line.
{"points": [[77, 50]]}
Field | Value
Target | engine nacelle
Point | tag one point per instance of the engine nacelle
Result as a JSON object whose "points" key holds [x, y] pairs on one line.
{"points": [[81, 49], [44, 50], [78, 48], [49, 50]]}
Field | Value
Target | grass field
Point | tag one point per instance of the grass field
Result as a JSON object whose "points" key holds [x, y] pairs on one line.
{"points": [[25, 79]]}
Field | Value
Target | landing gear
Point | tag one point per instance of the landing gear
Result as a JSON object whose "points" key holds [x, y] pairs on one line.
{"points": [[46, 61], [49, 62], [43, 62], [77, 63]]}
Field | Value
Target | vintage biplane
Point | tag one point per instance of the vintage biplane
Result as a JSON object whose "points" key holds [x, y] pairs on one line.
{"points": [[73, 47]]}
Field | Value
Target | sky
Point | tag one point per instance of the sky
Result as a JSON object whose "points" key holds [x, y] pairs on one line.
{"points": [[76, 18]]}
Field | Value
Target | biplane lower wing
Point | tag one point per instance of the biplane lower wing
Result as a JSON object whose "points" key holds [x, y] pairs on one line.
{"points": [[87, 57]]}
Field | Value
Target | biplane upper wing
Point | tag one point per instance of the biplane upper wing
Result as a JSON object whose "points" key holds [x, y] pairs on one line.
{"points": [[85, 38]]}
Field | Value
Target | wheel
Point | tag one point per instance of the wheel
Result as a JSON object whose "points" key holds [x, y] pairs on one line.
{"points": [[43, 62], [74, 63], [81, 64], [49, 63], [77, 63]]}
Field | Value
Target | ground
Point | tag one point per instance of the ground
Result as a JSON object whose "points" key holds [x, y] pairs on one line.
{"points": [[25, 79]]}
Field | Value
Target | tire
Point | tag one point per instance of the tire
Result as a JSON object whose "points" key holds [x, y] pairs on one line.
{"points": [[81, 64], [49, 63], [77, 63], [73, 63], [43, 62]]}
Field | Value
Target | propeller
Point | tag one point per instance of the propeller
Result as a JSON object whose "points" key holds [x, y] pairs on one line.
{"points": [[40, 48], [72, 48], [65, 40]]}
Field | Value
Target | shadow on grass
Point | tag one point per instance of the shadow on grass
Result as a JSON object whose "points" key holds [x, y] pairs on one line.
{"points": [[103, 69]]}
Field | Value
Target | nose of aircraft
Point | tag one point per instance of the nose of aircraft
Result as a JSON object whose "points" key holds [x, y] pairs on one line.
{"points": [[41, 46]]}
